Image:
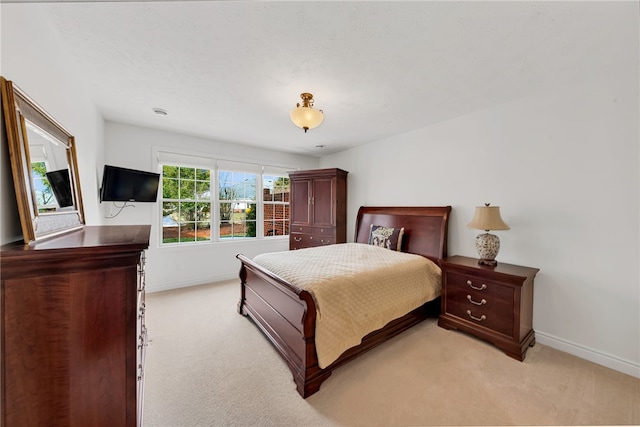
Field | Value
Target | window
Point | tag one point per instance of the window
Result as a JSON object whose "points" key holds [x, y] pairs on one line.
{"points": [[192, 212], [237, 201], [186, 204], [275, 207]]}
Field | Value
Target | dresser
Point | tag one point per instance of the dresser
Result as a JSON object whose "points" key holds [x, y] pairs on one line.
{"points": [[318, 208], [492, 303], [73, 332]]}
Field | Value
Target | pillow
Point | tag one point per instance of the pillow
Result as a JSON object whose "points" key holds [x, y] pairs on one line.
{"points": [[386, 237]]}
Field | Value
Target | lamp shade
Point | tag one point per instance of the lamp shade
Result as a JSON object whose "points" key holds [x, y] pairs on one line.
{"points": [[304, 116], [488, 218]]}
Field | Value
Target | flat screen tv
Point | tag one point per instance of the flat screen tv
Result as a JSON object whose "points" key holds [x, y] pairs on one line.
{"points": [[128, 185], [61, 187]]}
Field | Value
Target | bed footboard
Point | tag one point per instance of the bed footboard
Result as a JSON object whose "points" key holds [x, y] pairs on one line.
{"points": [[286, 315]]}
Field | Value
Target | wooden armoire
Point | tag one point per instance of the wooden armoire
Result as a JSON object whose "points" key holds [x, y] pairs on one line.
{"points": [[318, 207], [73, 333]]}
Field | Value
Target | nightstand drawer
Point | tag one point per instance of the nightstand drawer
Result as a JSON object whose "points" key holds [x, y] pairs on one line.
{"points": [[481, 302], [459, 285], [494, 314]]}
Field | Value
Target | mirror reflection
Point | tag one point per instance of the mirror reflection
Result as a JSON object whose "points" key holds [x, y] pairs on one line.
{"points": [[49, 171]]}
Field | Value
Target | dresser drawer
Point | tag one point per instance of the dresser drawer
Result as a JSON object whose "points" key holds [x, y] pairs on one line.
{"points": [[321, 231], [300, 241]]}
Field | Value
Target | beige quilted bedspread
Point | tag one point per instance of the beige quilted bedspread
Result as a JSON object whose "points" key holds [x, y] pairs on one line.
{"points": [[357, 288]]}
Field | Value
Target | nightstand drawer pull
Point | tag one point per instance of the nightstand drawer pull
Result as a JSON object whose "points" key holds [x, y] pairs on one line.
{"points": [[479, 319], [481, 288], [483, 301]]}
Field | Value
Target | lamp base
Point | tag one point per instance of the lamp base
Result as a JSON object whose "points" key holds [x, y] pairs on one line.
{"points": [[488, 246]]}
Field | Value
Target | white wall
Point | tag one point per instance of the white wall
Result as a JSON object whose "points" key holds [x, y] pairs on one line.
{"points": [[176, 266], [563, 167], [35, 62]]}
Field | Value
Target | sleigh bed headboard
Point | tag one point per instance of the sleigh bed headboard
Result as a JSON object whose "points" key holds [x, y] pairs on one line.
{"points": [[425, 227]]}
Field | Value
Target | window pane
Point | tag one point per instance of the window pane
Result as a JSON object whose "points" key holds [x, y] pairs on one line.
{"points": [[279, 211], [203, 212], [170, 234], [204, 231], [203, 190], [267, 188], [187, 189], [251, 221], [170, 188], [187, 173], [226, 188], [203, 175], [187, 211], [187, 232], [226, 229], [170, 171], [226, 209]]}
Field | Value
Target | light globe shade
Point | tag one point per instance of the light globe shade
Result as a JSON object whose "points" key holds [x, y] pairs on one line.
{"points": [[306, 117]]}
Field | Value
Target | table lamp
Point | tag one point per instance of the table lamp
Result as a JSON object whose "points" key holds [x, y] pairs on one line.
{"points": [[487, 218]]}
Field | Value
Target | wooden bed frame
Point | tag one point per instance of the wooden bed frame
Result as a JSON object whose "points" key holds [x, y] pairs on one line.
{"points": [[287, 314]]}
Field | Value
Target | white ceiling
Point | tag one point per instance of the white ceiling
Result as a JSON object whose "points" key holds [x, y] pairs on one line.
{"points": [[231, 71]]}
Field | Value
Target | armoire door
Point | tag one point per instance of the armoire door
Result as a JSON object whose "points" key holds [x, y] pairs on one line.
{"points": [[301, 201], [322, 200]]}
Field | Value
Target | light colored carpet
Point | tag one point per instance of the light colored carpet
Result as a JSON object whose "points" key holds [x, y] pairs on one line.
{"points": [[208, 366]]}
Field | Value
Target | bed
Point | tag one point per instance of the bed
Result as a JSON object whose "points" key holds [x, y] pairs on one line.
{"points": [[287, 314]]}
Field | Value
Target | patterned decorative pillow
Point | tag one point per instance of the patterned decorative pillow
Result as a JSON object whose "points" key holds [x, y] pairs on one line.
{"points": [[386, 237]]}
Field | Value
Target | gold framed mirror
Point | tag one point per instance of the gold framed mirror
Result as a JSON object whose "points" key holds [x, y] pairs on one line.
{"points": [[44, 167]]}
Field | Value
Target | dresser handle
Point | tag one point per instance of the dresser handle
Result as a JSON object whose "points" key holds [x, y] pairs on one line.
{"points": [[479, 319], [481, 288], [483, 301], [297, 239]]}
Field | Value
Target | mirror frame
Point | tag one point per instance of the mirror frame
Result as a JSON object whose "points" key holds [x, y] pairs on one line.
{"points": [[17, 108]]}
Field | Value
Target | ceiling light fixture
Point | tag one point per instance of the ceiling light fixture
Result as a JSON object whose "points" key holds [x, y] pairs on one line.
{"points": [[304, 116]]}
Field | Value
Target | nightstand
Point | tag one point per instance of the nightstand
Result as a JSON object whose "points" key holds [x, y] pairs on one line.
{"points": [[492, 303]]}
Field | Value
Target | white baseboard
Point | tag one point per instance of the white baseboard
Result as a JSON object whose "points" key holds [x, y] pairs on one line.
{"points": [[155, 287], [607, 360]]}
